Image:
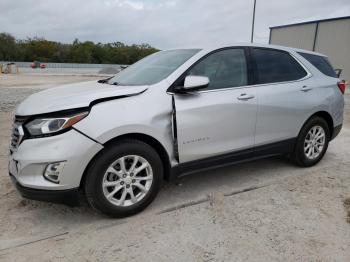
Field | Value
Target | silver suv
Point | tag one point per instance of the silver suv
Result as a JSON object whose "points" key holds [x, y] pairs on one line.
{"points": [[172, 113]]}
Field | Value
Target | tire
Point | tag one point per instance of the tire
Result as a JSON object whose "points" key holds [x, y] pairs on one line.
{"points": [[301, 154], [97, 181]]}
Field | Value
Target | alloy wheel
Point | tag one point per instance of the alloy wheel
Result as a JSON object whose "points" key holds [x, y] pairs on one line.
{"points": [[127, 180], [314, 142]]}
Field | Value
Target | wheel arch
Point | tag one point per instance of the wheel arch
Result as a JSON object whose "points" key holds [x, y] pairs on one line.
{"points": [[326, 116], [153, 142]]}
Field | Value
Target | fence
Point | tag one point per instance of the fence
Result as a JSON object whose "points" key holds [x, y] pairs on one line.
{"points": [[64, 68]]}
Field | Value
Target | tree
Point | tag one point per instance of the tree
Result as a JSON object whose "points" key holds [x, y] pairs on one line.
{"points": [[78, 52], [7, 47]]}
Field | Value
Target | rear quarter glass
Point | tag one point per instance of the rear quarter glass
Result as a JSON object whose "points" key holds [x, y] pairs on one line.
{"points": [[321, 63]]}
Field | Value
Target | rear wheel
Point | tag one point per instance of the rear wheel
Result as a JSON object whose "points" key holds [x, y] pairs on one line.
{"points": [[312, 142], [124, 178]]}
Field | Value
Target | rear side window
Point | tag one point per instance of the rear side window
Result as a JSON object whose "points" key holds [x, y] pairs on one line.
{"points": [[321, 63], [274, 66]]}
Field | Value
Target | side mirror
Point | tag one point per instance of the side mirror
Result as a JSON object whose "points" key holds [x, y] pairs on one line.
{"points": [[193, 83]]}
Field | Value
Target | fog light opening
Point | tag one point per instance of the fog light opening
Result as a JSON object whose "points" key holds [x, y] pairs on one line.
{"points": [[53, 171]]}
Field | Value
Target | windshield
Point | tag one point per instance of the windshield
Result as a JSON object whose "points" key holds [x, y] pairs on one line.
{"points": [[153, 68]]}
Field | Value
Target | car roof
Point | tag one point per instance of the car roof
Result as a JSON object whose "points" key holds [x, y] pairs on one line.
{"points": [[210, 48]]}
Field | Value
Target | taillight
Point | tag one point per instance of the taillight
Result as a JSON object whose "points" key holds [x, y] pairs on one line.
{"points": [[342, 85]]}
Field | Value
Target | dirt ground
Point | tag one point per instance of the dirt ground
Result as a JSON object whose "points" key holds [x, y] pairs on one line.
{"points": [[267, 210]]}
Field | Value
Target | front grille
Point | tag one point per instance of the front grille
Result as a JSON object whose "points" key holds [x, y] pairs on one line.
{"points": [[17, 133]]}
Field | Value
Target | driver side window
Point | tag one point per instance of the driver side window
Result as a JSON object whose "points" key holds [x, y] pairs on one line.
{"points": [[226, 68]]}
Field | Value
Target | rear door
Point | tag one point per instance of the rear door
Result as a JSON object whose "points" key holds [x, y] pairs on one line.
{"points": [[221, 118], [285, 95]]}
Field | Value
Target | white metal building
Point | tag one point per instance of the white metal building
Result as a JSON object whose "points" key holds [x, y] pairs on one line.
{"points": [[329, 36]]}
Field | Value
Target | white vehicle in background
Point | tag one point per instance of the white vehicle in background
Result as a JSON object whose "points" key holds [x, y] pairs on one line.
{"points": [[171, 113]]}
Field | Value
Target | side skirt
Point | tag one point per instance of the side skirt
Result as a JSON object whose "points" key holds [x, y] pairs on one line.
{"points": [[278, 148]]}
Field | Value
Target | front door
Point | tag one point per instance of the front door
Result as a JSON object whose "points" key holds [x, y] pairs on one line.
{"points": [[221, 118]]}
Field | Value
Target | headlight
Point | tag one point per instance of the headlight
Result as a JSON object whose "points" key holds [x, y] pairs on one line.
{"points": [[49, 126]]}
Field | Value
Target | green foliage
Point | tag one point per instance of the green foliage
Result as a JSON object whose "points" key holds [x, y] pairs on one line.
{"points": [[43, 50], [7, 47]]}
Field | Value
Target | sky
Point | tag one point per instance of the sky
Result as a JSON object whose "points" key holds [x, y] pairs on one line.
{"points": [[160, 23]]}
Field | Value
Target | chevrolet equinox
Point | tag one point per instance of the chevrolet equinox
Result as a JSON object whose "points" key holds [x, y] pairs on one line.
{"points": [[172, 113]]}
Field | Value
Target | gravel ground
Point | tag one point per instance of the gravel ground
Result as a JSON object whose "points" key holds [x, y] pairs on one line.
{"points": [[14, 88], [10, 97], [266, 210]]}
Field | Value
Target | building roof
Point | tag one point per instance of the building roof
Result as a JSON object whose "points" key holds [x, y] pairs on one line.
{"points": [[311, 22]]}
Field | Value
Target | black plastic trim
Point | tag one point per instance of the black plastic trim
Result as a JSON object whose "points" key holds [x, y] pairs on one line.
{"points": [[68, 197], [250, 66], [336, 131], [273, 149], [176, 147]]}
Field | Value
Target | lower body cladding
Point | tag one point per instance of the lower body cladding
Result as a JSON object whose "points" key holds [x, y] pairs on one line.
{"points": [[51, 168]]}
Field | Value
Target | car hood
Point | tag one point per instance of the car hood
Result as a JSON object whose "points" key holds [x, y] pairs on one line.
{"points": [[73, 96]]}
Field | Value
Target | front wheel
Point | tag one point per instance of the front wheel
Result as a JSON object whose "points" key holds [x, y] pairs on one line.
{"points": [[124, 178], [312, 142]]}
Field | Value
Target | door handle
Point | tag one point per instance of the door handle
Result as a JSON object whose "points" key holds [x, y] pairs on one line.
{"points": [[245, 97], [306, 88]]}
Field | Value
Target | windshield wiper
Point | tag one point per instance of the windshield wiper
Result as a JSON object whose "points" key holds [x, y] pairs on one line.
{"points": [[104, 81], [115, 83]]}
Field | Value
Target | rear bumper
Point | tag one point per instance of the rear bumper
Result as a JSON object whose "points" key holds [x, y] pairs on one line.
{"points": [[336, 131], [68, 197]]}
